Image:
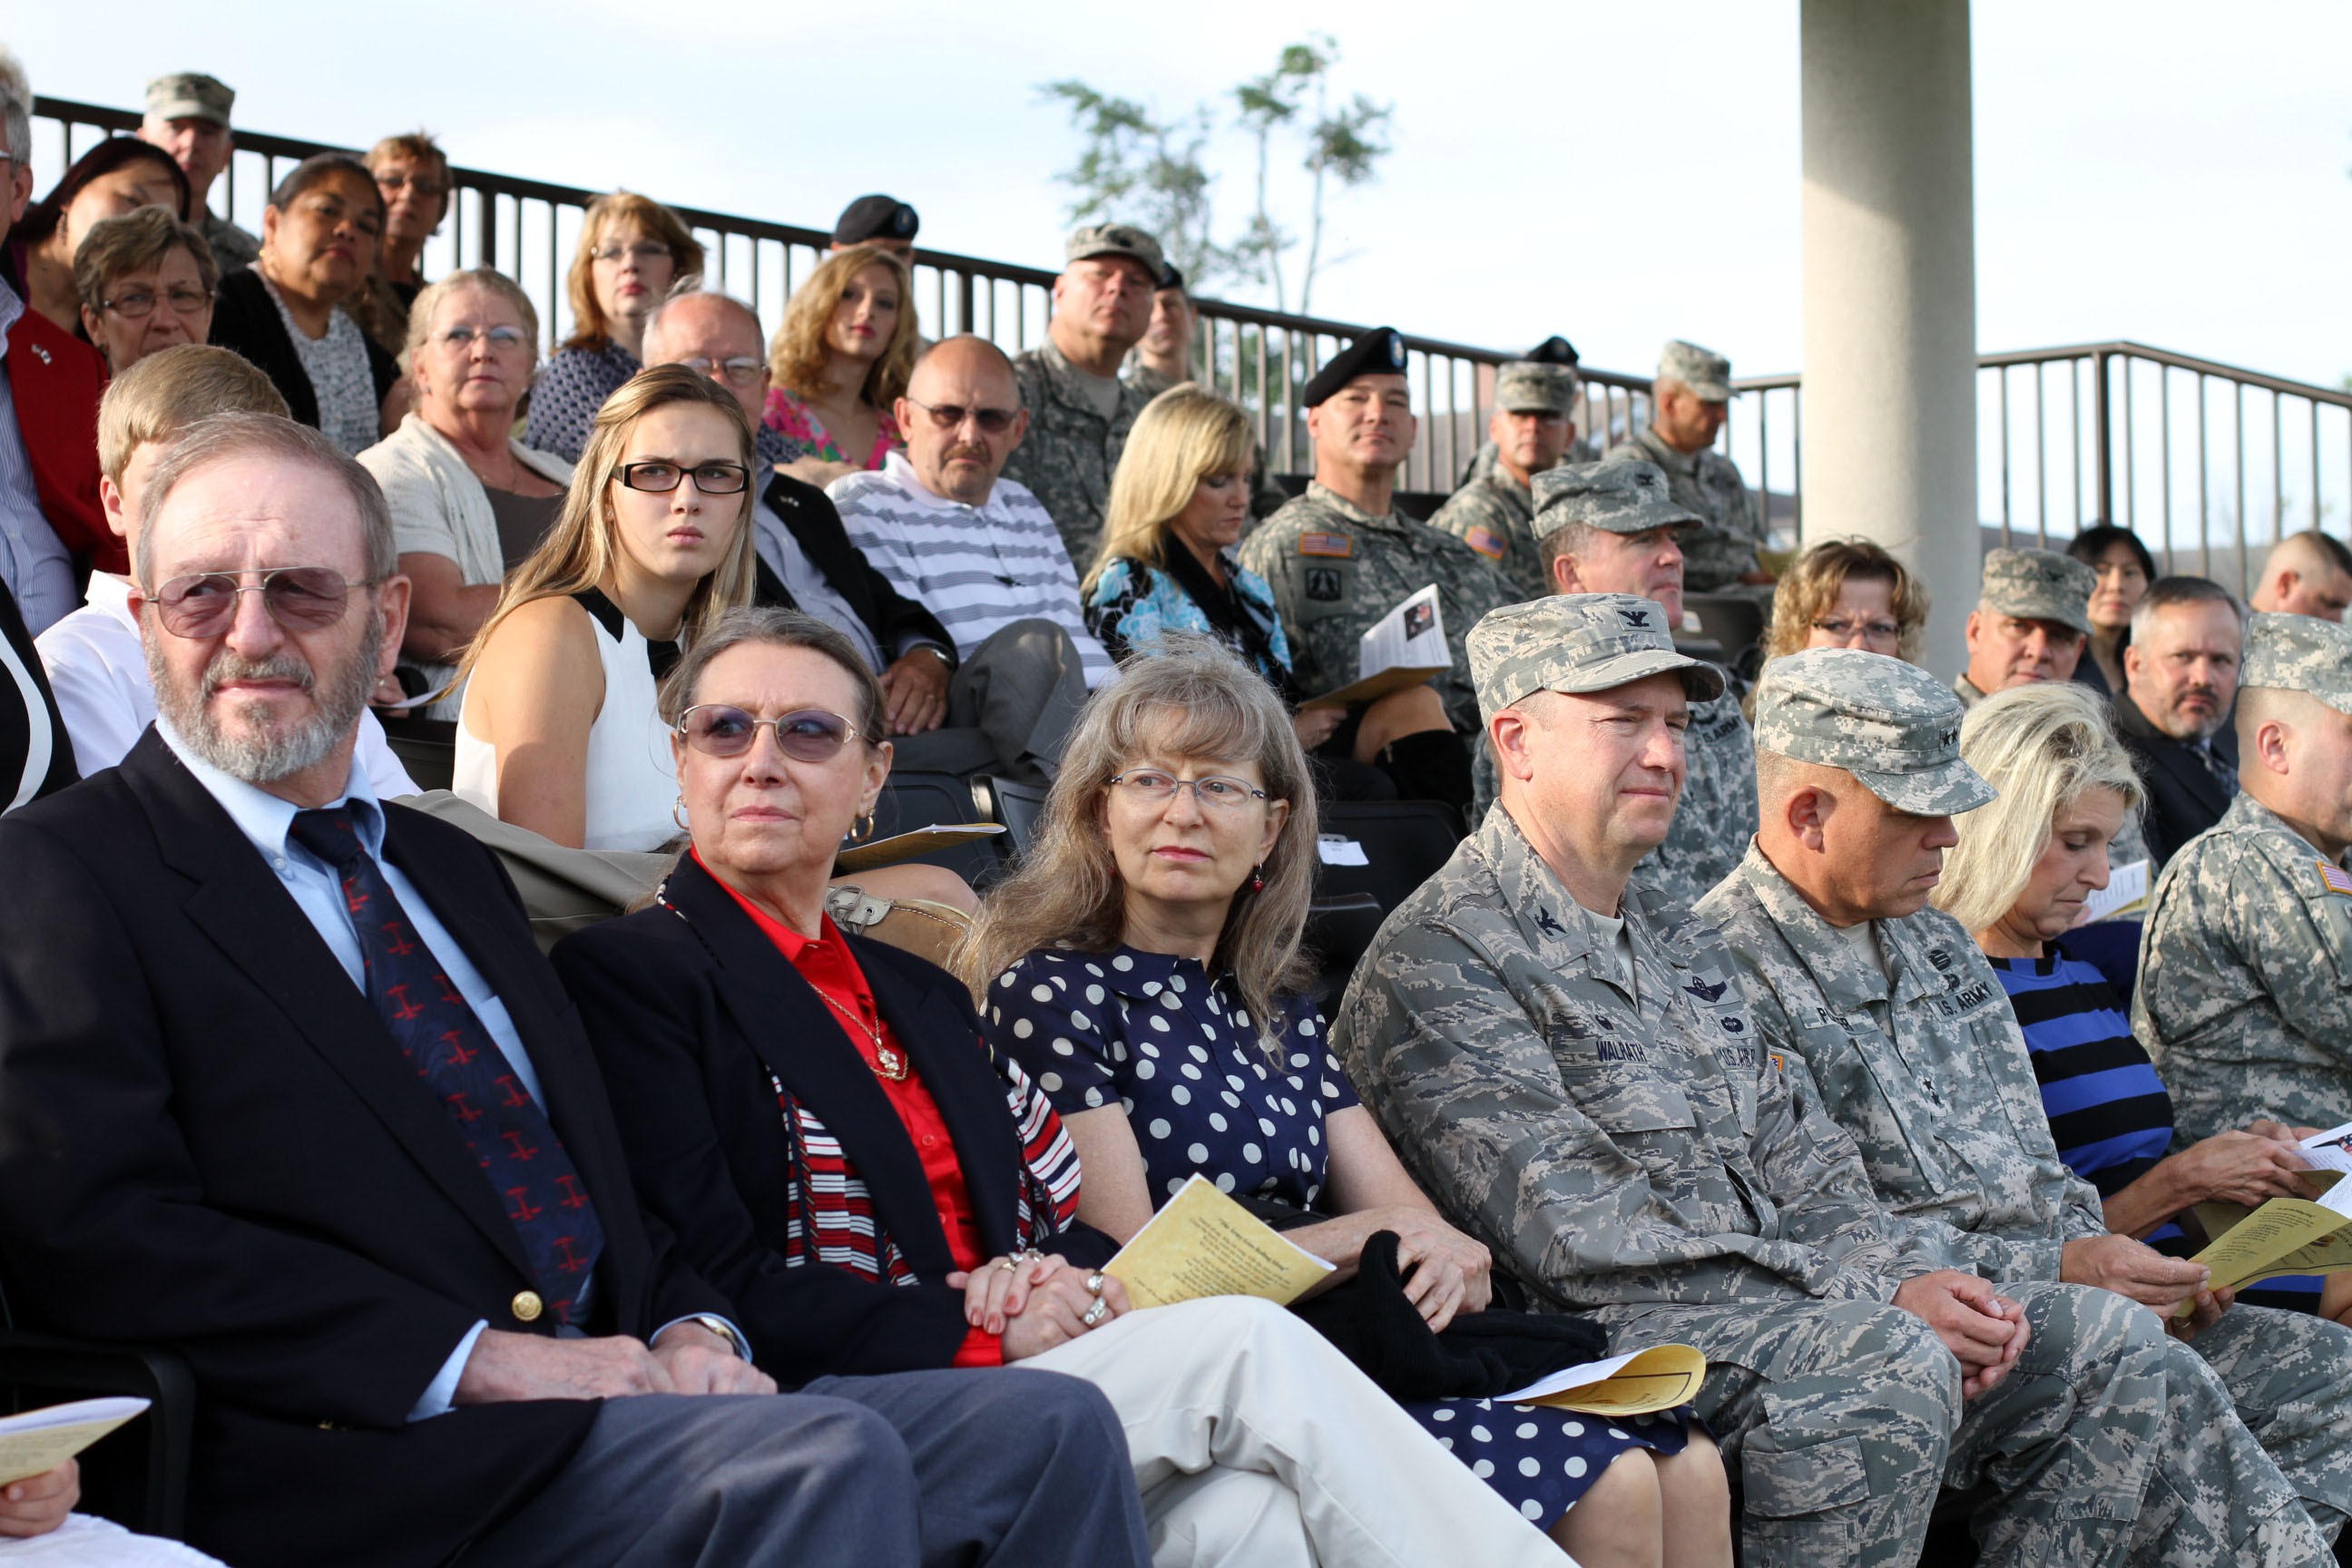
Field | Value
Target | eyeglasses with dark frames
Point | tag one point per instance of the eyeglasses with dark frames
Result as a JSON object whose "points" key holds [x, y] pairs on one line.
{"points": [[299, 598], [710, 478], [951, 416], [138, 304]]}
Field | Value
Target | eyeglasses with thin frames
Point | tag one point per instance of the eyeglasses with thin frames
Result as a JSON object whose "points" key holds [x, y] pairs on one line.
{"points": [[724, 731], [1220, 792], [1838, 628], [138, 304], [740, 370], [299, 598], [951, 416], [645, 254]]}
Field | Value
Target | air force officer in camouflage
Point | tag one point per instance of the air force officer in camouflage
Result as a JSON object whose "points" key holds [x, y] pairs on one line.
{"points": [[2245, 971], [1888, 1015], [1571, 1069]]}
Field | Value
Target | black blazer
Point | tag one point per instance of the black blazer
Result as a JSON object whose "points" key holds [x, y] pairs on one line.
{"points": [[811, 517], [208, 1142], [2184, 798], [246, 319], [35, 753], [688, 1017]]}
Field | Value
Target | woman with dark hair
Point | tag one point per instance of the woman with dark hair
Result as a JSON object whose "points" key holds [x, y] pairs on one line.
{"points": [[1143, 966], [813, 1118], [287, 314], [118, 175], [2126, 568]]}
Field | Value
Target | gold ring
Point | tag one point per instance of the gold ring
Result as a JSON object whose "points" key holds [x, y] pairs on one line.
{"points": [[1007, 1265]]}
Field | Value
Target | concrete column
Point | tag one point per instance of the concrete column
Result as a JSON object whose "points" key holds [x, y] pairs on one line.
{"points": [[1890, 293]]}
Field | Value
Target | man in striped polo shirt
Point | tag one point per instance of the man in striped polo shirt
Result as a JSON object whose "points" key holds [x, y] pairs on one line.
{"points": [[981, 554]]}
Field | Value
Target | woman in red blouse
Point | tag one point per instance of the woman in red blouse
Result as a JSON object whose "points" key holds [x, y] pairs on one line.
{"points": [[814, 1118]]}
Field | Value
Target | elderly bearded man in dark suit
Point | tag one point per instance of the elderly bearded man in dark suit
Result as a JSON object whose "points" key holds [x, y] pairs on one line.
{"points": [[285, 1085]]}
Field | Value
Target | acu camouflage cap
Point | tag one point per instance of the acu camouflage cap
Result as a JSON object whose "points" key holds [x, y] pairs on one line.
{"points": [[2300, 653], [2040, 585], [1117, 239], [1578, 642], [191, 95], [1704, 371], [1616, 497], [1524, 386], [1890, 724]]}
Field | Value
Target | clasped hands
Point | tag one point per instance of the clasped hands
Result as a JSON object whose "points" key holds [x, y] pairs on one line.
{"points": [[1033, 1302], [684, 1358]]}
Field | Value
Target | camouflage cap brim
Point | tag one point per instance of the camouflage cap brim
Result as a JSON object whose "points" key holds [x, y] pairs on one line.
{"points": [[1946, 791], [1702, 682]]}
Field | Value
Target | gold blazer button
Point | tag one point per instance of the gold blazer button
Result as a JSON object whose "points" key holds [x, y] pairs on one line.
{"points": [[528, 1306]]}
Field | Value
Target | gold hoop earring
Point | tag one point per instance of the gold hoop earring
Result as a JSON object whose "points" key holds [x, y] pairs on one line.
{"points": [[861, 828], [677, 814]]}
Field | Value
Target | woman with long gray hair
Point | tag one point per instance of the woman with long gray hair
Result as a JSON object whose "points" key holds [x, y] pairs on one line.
{"points": [[1143, 966]]}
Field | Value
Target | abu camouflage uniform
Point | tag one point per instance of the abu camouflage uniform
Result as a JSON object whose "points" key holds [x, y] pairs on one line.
{"points": [[1494, 515], [1627, 1149], [1708, 483], [1066, 458], [1930, 1075], [1336, 570], [1606, 1120], [2245, 997], [1716, 817]]}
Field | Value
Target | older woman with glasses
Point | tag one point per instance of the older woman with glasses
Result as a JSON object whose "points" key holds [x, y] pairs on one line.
{"points": [[812, 1116], [469, 502], [2018, 880], [289, 313], [413, 172], [1143, 966], [841, 360], [632, 250], [1847, 593], [146, 283]]}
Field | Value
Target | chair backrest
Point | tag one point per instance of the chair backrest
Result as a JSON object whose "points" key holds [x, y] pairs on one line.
{"points": [[1734, 622], [1019, 807], [427, 748], [1400, 843], [911, 800]]}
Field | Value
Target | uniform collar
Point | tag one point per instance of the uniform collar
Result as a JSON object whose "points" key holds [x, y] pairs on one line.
{"points": [[1846, 981], [1663, 453], [1324, 495]]}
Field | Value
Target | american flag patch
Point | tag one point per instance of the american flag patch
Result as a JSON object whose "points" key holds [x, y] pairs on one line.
{"points": [[1338, 546], [2335, 877], [1486, 542]]}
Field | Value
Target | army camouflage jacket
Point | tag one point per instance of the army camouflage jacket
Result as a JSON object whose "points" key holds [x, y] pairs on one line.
{"points": [[1708, 483], [1966, 691], [2244, 995], [1613, 1149], [1716, 814], [1066, 458], [1494, 515], [1336, 570], [1928, 1071]]}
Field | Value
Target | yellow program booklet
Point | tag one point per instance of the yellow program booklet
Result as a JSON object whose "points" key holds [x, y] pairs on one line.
{"points": [[2284, 1236], [1634, 1383], [1201, 1243], [41, 1440]]}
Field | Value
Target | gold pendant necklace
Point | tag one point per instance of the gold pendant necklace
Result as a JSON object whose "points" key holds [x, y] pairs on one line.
{"points": [[887, 1062]]}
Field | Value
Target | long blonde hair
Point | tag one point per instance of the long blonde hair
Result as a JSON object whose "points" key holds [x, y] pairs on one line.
{"points": [[583, 546], [799, 353], [1182, 436], [1192, 700], [2044, 746]]}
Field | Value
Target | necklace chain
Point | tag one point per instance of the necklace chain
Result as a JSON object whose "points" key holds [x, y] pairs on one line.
{"points": [[887, 1062]]}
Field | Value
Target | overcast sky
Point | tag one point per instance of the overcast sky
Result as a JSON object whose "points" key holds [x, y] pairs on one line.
{"points": [[2144, 169]]}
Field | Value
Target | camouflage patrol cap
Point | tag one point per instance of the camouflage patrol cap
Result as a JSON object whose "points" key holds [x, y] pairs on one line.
{"points": [[1616, 497], [2300, 653], [1117, 239], [1578, 642], [189, 95], [1704, 371], [2040, 585], [1890, 724], [1524, 386]]}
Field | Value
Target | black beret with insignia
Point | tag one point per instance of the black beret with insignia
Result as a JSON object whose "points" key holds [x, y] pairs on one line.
{"points": [[875, 217], [1379, 352], [1553, 350]]}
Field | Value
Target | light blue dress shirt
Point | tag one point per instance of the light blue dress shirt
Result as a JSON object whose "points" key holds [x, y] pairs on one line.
{"points": [[33, 559], [269, 821]]}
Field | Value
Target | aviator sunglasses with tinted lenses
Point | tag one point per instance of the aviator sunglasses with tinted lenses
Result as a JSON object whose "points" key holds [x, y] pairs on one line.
{"points": [[299, 598], [806, 735]]}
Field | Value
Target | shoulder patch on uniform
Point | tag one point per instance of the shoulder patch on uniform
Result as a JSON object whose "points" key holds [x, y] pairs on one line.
{"points": [[1487, 542], [1336, 547], [2334, 879], [1325, 586]]}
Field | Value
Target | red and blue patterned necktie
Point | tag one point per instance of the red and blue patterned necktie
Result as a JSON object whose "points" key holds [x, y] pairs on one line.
{"points": [[462, 1065]]}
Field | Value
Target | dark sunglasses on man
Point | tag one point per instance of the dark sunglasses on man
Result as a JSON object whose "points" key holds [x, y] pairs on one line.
{"points": [[299, 598]]}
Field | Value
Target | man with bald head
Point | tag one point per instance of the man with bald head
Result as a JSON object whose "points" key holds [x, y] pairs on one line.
{"points": [[940, 522], [2306, 573]]}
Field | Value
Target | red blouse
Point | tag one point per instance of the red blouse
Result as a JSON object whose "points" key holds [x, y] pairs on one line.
{"points": [[826, 961]]}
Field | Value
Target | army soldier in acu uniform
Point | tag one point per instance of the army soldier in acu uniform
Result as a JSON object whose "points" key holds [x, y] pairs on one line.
{"points": [[2245, 969], [1688, 403], [1886, 1014], [1494, 513], [1569, 1068], [2031, 622], [1341, 556]]}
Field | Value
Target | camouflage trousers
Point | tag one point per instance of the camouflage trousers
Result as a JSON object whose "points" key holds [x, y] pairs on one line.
{"points": [[2289, 1375], [1844, 1419]]}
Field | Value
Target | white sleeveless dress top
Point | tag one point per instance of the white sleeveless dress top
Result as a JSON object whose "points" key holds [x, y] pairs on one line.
{"points": [[632, 782]]}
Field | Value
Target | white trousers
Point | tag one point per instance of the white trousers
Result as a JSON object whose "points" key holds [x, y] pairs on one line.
{"points": [[85, 1542], [1256, 1445]]}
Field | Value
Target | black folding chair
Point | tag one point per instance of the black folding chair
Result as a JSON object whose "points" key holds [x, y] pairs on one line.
{"points": [[137, 1476], [913, 800], [1403, 843], [1019, 807]]}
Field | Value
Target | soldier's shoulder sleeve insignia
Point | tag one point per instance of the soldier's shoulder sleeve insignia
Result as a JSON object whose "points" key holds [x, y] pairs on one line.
{"points": [[1333, 546], [1487, 542], [1324, 583], [2334, 879]]}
